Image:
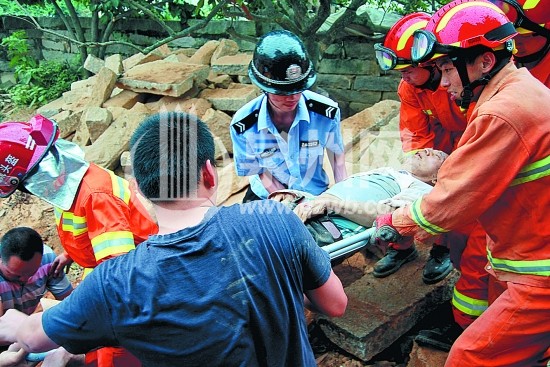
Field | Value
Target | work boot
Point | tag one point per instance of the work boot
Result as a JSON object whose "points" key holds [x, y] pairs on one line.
{"points": [[393, 260], [438, 265], [439, 338]]}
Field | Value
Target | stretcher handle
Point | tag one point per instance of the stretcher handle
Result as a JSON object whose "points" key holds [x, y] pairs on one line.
{"points": [[349, 243]]}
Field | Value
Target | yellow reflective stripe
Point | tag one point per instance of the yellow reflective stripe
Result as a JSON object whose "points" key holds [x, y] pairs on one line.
{"points": [[408, 33], [57, 213], [530, 4], [448, 16], [121, 187], [112, 243], [73, 223], [428, 112], [468, 305], [527, 267], [533, 171], [418, 218]]}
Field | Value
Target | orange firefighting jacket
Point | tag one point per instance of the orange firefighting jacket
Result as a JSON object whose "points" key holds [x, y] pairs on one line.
{"points": [[105, 220], [500, 174], [428, 119]]}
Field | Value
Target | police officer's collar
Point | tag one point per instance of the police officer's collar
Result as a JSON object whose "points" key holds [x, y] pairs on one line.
{"points": [[264, 120]]}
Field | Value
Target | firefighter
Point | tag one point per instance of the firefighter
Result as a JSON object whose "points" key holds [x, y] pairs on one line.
{"points": [[532, 21], [427, 119], [498, 175], [279, 138], [97, 215]]}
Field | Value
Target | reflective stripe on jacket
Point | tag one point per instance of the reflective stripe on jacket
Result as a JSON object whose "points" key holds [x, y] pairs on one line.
{"points": [[105, 220], [498, 175]]}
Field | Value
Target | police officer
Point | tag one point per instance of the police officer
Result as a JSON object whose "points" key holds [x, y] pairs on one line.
{"points": [[279, 138]]}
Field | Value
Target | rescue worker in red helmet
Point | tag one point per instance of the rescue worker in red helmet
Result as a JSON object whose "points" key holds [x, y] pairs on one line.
{"points": [[427, 119], [280, 138], [97, 215], [498, 175], [532, 21]]}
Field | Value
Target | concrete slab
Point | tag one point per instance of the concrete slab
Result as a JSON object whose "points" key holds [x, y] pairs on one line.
{"points": [[380, 310]]}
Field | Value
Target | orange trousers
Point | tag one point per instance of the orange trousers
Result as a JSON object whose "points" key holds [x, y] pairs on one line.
{"points": [[111, 357], [470, 295], [514, 331]]}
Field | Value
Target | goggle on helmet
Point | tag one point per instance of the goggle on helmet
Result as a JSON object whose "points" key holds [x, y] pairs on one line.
{"points": [[461, 25], [395, 52], [528, 16]]}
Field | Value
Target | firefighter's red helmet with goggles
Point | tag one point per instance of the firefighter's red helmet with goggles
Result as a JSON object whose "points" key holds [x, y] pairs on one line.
{"points": [[463, 24], [22, 146], [395, 53], [537, 13]]}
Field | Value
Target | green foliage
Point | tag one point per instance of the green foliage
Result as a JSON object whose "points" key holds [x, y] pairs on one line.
{"points": [[37, 83], [38, 8], [47, 82], [18, 53]]}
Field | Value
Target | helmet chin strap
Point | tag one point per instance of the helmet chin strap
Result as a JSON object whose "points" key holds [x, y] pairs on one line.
{"points": [[468, 92], [433, 82]]}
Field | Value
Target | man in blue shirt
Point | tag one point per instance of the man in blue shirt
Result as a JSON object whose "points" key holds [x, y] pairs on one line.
{"points": [[218, 286], [280, 138]]}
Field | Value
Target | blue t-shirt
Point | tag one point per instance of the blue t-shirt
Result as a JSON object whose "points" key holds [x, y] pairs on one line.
{"points": [[227, 292]]}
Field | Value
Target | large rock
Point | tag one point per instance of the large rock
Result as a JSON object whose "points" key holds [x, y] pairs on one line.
{"points": [[108, 148], [380, 310], [163, 77]]}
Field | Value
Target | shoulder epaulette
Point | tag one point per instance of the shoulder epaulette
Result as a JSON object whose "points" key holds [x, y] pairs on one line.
{"points": [[321, 108], [246, 123]]}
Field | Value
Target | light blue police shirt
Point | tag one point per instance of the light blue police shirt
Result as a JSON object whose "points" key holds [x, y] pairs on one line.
{"points": [[296, 162]]}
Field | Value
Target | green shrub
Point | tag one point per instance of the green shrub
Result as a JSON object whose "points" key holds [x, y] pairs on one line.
{"points": [[37, 83], [47, 82]]}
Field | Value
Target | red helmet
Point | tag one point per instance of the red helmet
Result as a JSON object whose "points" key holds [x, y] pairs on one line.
{"points": [[463, 24], [395, 53], [22, 146], [527, 15]]}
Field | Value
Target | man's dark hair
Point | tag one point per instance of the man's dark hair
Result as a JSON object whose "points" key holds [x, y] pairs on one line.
{"points": [[22, 242], [169, 151]]}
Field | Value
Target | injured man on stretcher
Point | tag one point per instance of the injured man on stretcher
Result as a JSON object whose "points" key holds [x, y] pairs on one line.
{"points": [[351, 206]]}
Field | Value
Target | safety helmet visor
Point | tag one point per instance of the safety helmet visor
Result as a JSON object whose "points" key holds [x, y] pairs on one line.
{"points": [[514, 12], [387, 59]]}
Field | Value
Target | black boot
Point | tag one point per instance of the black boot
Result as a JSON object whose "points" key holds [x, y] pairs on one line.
{"points": [[439, 338], [438, 265], [393, 260]]}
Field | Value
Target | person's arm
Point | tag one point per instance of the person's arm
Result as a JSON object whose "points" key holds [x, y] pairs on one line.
{"points": [[329, 299], [338, 164], [14, 356], [270, 183], [108, 219], [414, 123], [61, 264], [31, 335]]}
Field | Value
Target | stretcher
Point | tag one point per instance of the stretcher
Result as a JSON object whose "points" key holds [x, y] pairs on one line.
{"points": [[348, 246]]}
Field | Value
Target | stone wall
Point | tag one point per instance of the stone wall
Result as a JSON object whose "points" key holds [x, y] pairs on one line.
{"points": [[347, 71]]}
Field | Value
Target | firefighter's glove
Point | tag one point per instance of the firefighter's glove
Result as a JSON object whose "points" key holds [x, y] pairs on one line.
{"points": [[386, 234]]}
